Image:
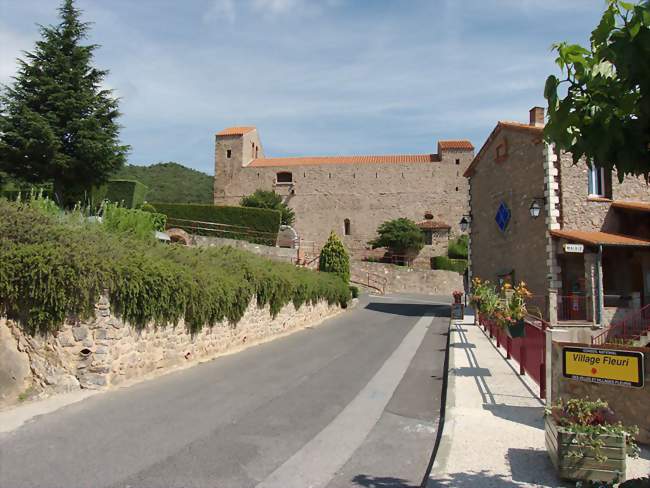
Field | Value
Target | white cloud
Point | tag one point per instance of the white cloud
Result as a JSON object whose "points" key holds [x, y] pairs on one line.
{"points": [[13, 44]]}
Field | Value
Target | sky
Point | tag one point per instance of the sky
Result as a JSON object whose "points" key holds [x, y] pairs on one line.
{"points": [[317, 77]]}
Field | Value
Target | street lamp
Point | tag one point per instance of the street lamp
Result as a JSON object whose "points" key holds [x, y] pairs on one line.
{"points": [[464, 223], [535, 207]]}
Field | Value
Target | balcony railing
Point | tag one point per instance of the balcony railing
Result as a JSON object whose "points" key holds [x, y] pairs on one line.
{"points": [[572, 307]]}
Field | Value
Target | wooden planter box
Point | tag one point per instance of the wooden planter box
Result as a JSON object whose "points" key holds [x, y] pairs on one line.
{"points": [[559, 444]]}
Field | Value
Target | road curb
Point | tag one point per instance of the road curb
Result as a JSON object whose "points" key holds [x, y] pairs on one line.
{"points": [[443, 409]]}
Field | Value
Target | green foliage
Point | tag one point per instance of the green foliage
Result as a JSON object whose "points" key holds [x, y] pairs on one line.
{"points": [[57, 123], [334, 258], [171, 182], [270, 199], [605, 115], [401, 236], [443, 262], [127, 193], [53, 268], [132, 222], [257, 225], [457, 249], [354, 290], [591, 419]]}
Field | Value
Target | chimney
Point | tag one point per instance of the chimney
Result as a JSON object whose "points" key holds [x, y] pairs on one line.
{"points": [[537, 116]]}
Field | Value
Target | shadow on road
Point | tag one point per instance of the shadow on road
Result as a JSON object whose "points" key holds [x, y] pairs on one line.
{"points": [[410, 309], [381, 482], [472, 480]]}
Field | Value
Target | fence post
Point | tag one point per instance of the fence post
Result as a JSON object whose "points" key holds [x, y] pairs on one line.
{"points": [[508, 346], [542, 377], [522, 348]]}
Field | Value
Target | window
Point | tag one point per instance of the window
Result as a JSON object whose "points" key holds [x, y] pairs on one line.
{"points": [[600, 183], [228, 153], [284, 177], [428, 237], [458, 161], [257, 149], [346, 227], [502, 151]]}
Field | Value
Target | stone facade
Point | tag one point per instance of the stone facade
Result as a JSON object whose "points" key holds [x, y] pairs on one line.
{"points": [[400, 279], [516, 167], [629, 404], [514, 178], [363, 191], [106, 351]]}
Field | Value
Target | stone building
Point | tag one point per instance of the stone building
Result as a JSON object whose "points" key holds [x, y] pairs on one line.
{"points": [[351, 195], [574, 234]]}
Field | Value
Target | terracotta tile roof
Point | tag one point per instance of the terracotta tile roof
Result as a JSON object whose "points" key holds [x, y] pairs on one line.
{"points": [[315, 160], [458, 145], [626, 205], [433, 225], [517, 126], [235, 131], [596, 237]]}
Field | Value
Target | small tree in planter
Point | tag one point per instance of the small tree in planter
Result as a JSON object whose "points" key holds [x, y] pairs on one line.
{"points": [[586, 443], [402, 237], [334, 258]]}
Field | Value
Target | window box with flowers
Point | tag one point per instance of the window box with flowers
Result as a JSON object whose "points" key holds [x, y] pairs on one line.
{"points": [[511, 310]]}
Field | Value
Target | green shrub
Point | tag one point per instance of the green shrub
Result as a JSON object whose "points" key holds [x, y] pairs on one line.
{"points": [[53, 268], [258, 225], [354, 290], [402, 236], [270, 199], [334, 258], [443, 262], [127, 193], [458, 249], [131, 221]]}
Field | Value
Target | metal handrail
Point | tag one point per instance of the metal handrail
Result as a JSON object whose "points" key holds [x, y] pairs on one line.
{"points": [[627, 326]]}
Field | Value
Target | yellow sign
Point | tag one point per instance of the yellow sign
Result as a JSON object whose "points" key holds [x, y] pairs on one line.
{"points": [[609, 366]]}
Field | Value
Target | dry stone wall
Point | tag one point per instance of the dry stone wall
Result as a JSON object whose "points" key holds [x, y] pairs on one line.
{"points": [[106, 351], [400, 279]]}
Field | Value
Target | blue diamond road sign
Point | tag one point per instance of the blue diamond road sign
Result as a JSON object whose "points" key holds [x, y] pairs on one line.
{"points": [[503, 216]]}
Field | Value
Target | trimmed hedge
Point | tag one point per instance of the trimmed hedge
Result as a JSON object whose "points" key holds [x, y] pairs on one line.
{"points": [[443, 262], [458, 248], [128, 193], [258, 225], [57, 266]]}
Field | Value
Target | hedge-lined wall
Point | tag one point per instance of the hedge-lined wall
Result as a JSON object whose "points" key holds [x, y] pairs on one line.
{"points": [[443, 262], [259, 225]]}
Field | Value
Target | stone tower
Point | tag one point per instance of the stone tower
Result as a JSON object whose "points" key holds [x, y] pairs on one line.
{"points": [[235, 148]]}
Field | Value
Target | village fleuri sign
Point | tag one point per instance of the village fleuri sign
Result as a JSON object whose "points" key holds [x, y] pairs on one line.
{"points": [[606, 366]]}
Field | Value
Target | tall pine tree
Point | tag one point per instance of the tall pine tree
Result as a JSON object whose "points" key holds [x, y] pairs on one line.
{"points": [[58, 124]]}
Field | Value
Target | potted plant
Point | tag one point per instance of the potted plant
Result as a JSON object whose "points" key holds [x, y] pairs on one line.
{"points": [[586, 443], [511, 310], [458, 295]]}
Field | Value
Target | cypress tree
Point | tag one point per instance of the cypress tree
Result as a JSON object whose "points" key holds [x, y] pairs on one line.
{"points": [[58, 123]]}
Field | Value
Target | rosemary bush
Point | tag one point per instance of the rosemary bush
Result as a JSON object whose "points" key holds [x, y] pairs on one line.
{"points": [[53, 268]]}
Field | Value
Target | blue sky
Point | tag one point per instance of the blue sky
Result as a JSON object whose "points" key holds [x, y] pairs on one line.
{"points": [[316, 77]]}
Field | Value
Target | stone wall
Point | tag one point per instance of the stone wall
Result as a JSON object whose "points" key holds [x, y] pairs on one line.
{"points": [[106, 351], [325, 195], [271, 252], [630, 404], [401, 279], [579, 211], [515, 180]]}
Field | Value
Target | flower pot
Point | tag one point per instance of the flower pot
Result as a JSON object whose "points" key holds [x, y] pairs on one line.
{"points": [[518, 329], [562, 449]]}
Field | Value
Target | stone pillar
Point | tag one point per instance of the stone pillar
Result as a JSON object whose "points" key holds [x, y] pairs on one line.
{"points": [[591, 291], [552, 307]]}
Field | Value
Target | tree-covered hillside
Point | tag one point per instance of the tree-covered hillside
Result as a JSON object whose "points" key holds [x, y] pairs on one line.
{"points": [[170, 182]]}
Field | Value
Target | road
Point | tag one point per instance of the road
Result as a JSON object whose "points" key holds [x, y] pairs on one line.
{"points": [[352, 402]]}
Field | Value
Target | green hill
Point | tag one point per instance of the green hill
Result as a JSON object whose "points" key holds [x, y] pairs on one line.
{"points": [[170, 182]]}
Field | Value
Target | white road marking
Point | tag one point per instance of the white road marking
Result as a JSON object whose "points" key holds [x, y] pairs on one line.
{"points": [[316, 463]]}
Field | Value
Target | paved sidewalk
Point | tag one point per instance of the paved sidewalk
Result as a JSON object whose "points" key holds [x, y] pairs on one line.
{"points": [[494, 433]]}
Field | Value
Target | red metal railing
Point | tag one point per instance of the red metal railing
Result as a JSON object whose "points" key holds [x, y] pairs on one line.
{"points": [[630, 328], [371, 280], [529, 351], [571, 307]]}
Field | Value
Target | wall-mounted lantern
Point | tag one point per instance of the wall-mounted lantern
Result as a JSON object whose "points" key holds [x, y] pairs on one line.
{"points": [[464, 223], [536, 207]]}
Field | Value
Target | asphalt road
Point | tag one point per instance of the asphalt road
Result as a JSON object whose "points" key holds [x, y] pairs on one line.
{"points": [[350, 403]]}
